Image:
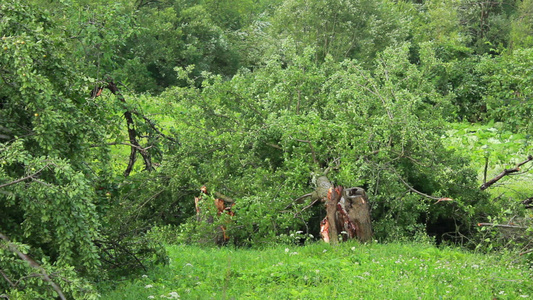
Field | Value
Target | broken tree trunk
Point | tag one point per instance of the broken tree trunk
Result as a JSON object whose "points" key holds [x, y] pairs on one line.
{"points": [[356, 205], [334, 196], [206, 212], [348, 213]]}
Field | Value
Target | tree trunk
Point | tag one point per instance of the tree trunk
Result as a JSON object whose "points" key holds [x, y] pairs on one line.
{"points": [[358, 210], [348, 213]]}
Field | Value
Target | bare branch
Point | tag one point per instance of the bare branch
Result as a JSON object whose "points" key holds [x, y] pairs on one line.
{"points": [[299, 199], [504, 173], [502, 225], [32, 176]]}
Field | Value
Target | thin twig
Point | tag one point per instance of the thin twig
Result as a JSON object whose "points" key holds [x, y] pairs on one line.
{"points": [[308, 206]]}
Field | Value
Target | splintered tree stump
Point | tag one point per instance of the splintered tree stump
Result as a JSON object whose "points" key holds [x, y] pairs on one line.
{"points": [[358, 210], [348, 213]]}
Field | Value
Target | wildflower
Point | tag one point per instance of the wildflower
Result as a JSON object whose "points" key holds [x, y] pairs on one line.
{"points": [[311, 236], [317, 271], [501, 292], [151, 297], [148, 286], [293, 253], [287, 250], [144, 276], [299, 232], [353, 248], [174, 295], [325, 250]]}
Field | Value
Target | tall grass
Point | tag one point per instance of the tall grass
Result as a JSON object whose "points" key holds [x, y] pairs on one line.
{"points": [[318, 270]]}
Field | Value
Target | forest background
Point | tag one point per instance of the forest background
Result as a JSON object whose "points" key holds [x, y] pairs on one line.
{"points": [[113, 114]]}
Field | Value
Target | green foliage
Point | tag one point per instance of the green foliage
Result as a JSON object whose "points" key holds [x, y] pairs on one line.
{"points": [[264, 133], [379, 271], [342, 29], [508, 89], [48, 126]]}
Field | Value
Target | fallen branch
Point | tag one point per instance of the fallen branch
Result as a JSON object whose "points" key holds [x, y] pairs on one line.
{"points": [[505, 173], [13, 248], [526, 252], [439, 199], [297, 200], [501, 225]]}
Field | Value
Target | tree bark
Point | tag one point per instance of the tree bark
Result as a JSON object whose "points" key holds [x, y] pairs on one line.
{"points": [[356, 205], [331, 215]]}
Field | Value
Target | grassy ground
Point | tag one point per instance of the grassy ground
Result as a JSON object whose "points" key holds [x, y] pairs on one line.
{"points": [[348, 271]]}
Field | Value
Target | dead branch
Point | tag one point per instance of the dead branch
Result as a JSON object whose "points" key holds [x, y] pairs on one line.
{"points": [[13, 248], [502, 225], [526, 252], [505, 173]]}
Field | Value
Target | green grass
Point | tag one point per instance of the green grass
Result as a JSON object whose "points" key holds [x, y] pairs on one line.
{"points": [[348, 271]]}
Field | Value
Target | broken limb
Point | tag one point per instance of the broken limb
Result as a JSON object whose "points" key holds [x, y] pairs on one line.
{"points": [[505, 173], [501, 225], [13, 248], [32, 176]]}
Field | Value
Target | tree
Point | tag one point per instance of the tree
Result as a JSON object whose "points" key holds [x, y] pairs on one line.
{"points": [[261, 138], [342, 29]]}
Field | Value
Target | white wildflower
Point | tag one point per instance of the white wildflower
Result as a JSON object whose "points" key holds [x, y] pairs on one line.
{"points": [[287, 250], [174, 295], [144, 276], [148, 286], [353, 248], [299, 232], [151, 297], [325, 250]]}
